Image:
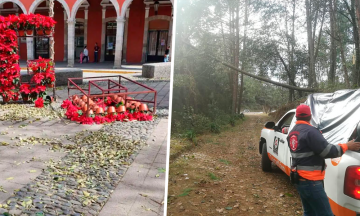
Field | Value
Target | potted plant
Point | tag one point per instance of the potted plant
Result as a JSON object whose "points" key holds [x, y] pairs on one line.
{"points": [[25, 92]]}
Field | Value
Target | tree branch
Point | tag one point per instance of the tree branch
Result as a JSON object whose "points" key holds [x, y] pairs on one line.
{"points": [[251, 75]]}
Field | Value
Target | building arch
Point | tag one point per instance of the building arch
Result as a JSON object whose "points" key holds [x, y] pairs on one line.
{"points": [[18, 3], [36, 3], [110, 19], [78, 3], [126, 4]]}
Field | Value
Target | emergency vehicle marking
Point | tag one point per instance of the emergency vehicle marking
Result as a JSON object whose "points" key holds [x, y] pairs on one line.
{"points": [[293, 142], [335, 161], [276, 145]]}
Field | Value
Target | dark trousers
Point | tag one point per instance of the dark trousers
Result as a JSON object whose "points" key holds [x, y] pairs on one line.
{"points": [[96, 57], [85, 57], [314, 199]]}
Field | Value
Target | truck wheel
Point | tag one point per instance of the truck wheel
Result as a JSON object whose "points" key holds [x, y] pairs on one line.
{"points": [[265, 160]]}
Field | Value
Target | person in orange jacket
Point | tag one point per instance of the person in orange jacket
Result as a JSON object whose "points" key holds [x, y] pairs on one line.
{"points": [[309, 149]]}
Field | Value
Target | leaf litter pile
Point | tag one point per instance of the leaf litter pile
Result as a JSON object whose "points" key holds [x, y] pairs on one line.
{"points": [[22, 112], [81, 182], [222, 175]]}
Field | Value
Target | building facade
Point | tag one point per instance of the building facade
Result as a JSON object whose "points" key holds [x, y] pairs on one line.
{"points": [[127, 31]]}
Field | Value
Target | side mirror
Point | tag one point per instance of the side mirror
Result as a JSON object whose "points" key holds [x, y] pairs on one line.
{"points": [[270, 125], [357, 133]]}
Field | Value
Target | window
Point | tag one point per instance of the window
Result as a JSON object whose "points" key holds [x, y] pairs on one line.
{"points": [[286, 121]]}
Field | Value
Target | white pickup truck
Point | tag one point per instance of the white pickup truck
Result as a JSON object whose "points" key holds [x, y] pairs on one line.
{"points": [[342, 178]]}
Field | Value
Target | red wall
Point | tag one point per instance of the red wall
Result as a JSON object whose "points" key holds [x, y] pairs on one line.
{"points": [[135, 31]]}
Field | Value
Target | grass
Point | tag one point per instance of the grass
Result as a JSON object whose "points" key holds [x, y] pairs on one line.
{"points": [[185, 192], [225, 161], [213, 176]]}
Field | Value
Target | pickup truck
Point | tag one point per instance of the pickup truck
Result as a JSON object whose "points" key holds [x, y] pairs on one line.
{"points": [[342, 176]]}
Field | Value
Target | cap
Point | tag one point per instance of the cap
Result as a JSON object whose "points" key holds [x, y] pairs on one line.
{"points": [[303, 111]]}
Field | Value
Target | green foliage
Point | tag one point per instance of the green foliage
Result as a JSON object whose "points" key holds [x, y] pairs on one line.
{"points": [[214, 127], [225, 161], [191, 135], [185, 192], [213, 176]]}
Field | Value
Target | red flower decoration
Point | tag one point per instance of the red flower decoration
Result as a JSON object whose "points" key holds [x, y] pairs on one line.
{"points": [[39, 103]]}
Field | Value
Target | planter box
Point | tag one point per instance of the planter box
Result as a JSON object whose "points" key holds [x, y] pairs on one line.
{"points": [[61, 76], [157, 70]]}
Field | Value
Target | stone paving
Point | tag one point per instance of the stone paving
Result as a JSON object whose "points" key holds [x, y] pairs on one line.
{"points": [[31, 148]]}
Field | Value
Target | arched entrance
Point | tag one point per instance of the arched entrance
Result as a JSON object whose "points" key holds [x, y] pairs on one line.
{"points": [[157, 38]]}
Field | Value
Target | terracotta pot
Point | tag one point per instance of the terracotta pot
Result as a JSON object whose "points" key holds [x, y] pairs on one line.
{"points": [[95, 107], [50, 85], [91, 112], [84, 108], [6, 99], [132, 107], [74, 97], [114, 97], [25, 97], [84, 97], [121, 109], [143, 107], [128, 105], [21, 33], [40, 32], [99, 110], [76, 101], [29, 32], [111, 109], [81, 103], [137, 104], [48, 31]]}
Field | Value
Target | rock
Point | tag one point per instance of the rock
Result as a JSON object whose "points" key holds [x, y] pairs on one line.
{"points": [[15, 212]]}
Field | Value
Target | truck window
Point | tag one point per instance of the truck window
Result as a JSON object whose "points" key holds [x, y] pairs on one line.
{"points": [[286, 121]]}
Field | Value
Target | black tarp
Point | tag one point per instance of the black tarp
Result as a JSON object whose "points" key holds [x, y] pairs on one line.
{"points": [[335, 114]]}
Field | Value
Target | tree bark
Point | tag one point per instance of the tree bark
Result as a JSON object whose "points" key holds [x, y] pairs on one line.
{"points": [[244, 57], [333, 53], [311, 43], [236, 57]]}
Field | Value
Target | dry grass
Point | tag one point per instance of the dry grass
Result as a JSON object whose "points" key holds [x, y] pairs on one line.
{"points": [[222, 175]]}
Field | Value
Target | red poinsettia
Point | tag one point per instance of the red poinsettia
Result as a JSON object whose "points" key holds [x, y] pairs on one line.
{"points": [[39, 103], [25, 89]]}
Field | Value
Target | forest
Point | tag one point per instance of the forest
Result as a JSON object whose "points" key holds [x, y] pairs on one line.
{"points": [[258, 55]]}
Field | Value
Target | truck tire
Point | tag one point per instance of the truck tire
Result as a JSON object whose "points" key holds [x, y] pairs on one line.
{"points": [[265, 160]]}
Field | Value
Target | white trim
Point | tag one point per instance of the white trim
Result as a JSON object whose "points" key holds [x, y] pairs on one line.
{"points": [[36, 3], [18, 3], [110, 19], [78, 4]]}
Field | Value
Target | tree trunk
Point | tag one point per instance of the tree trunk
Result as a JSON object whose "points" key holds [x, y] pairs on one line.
{"points": [[332, 72], [236, 57], [243, 58], [311, 47]]}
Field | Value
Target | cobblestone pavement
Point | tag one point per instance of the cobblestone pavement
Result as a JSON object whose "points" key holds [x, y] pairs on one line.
{"points": [[50, 166]]}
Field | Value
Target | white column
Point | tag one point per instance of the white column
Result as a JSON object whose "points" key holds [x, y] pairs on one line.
{"points": [[71, 43], [119, 41], [85, 26], [170, 31], [126, 34], [65, 36], [30, 48], [103, 26], [145, 38]]}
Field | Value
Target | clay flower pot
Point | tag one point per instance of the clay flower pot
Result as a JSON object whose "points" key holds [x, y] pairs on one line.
{"points": [[114, 97], [76, 101], [50, 85], [6, 99], [121, 109], [21, 33], [84, 108], [29, 32], [95, 107], [91, 112], [40, 32], [81, 103], [111, 109], [74, 97], [143, 108], [84, 98], [99, 111], [132, 107], [137, 104], [48, 31]]}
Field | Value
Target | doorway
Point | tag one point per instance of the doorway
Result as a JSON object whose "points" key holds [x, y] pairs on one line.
{"points": [[110, 41], [79, 39], [41, 47], [157, 44]]}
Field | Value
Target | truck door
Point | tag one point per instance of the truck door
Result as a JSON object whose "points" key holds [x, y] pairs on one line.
{"points": [[279, 145]]}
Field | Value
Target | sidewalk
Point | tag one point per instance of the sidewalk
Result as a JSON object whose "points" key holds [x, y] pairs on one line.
{"points": [[142, 189]]}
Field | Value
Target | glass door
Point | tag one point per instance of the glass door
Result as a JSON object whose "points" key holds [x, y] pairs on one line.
{"points": [[157, 44], [79, 39], [41, 47], [110, 41]]}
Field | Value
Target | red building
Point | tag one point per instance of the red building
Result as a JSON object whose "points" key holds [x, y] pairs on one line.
{"points": [[127, 31]]}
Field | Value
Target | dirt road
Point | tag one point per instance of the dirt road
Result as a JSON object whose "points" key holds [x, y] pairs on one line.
{"points": [[222, 176]]}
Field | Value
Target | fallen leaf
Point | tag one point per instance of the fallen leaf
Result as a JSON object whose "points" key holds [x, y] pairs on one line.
{"points": [[10, 178]]}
